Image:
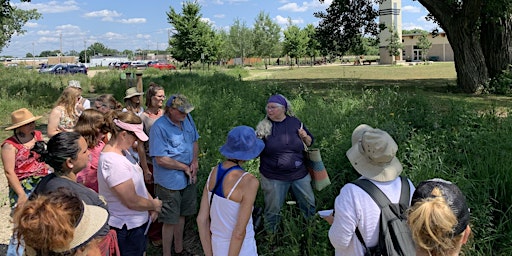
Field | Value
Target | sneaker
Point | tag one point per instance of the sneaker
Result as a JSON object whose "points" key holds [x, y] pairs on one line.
{"points": [[157, 243]]}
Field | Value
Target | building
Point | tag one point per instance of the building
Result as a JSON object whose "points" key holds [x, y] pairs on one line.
{"points": [[440, 50], [391, 17]]}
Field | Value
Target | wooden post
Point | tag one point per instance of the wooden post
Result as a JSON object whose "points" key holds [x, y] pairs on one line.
{"points": [[139, 85]]}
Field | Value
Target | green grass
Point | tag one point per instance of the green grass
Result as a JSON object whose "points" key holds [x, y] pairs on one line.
{"points": [[440, 133]]}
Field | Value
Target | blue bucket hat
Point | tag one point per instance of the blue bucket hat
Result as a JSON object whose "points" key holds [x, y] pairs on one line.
{"points": [[242, 144]]}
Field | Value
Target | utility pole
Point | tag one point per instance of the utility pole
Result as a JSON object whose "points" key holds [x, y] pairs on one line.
{"points": [[85, 51], [33, 57], [60, 36]]}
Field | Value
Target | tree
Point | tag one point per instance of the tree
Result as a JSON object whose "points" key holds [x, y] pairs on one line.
{"points": [[395, 44], [190, 36], [240, 40], [479, 32], [12, 21], [29, 55], [267, 34], [295, 42], [313, 44], [424, 44]]}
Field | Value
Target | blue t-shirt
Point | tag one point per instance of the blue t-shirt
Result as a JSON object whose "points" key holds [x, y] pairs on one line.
{"points": [[167, 139], [283, 155]]}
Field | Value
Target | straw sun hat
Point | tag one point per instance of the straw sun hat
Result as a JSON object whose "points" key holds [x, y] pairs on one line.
{"points": [[21, 117]]}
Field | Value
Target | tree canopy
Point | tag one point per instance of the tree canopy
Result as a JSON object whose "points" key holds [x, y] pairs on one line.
{"points": [[12, 20], [479, 33]]}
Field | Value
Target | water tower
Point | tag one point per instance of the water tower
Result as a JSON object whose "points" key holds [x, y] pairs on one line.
{"points": [[391, 16]]}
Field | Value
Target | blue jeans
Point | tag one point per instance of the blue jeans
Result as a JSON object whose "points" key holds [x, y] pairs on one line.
{"points": [[13, 249], [131, 242], [275, 191]]}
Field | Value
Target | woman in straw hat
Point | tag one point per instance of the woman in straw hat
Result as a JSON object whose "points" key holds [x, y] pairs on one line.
{"points": [[224, 220], [438, 218], [373, 156], [60, 223], [21, 166], [64, 115], [132, 101]]}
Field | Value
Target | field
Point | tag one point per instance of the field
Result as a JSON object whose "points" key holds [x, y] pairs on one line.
{"points": [[440, 132]]}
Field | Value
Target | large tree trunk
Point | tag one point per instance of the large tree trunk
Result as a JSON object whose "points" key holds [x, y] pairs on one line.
{"points": [[461, 26], [496, 38], [469, 60]]}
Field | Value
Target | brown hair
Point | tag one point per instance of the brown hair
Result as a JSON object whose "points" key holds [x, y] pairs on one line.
{"points": [[47, 222], [126, 117], [432, 221], [91, 125], [153, 88], [68, 100], [110, 101]]}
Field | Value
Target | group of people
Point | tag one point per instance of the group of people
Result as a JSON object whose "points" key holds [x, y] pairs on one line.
{"points": [[118, 176]]}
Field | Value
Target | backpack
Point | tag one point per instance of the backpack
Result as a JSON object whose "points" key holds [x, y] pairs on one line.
{"points": [[394, 233]]}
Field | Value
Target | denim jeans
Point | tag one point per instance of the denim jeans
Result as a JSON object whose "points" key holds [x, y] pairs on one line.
{"points": [[13, 249], [275, 191], [131, 242]]}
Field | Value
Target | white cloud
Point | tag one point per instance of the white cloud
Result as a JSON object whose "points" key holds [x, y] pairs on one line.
{"points": [[219, 2], [49, 7], [411, 9], [112, 36], [132, 21], [31, 25], [219, 16], [208, 21], [293, 7], [105, 15], [43, 32], [143, 36], [237, 1], [284, 21], [48, 39]]}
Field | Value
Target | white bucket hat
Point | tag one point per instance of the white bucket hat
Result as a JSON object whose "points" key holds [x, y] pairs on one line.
{"points": [[373, 154]]}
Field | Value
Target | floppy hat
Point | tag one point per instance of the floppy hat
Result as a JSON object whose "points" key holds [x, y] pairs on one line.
{"points": [[93, 218], [453, 197], [21, 117], [373, 154], [138, 129], [132, 92], [242, 144], [180, 102], [75, 84]]}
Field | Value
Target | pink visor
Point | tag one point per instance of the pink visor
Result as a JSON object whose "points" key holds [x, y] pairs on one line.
{"points": [[135, 128]]}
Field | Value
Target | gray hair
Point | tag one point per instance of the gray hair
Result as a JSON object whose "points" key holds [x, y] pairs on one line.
{"points": [[264, 127]]}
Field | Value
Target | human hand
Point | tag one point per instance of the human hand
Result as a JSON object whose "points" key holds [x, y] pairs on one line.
{"points": [[22, 199], [157, 204], [153, 215], [148, 177], [329, 219], [302, 133]]}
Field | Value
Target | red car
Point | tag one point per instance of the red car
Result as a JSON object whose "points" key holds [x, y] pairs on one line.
{"points": [[163, 66]]}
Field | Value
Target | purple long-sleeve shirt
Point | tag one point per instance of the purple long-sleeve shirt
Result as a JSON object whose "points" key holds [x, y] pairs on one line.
{"points": [[283, 155]]}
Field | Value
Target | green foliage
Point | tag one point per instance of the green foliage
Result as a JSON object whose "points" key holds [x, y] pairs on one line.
{"points": [[267, 33], [295, 41], [241, 38], [395, 43], [12, 20], [424, 44], [502, 84], [437, 137]]}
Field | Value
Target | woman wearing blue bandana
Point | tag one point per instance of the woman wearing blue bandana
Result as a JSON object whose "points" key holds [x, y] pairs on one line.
{"points": [[282, 161]]}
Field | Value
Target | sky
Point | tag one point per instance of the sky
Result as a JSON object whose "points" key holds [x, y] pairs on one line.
{"points": [[135, 24]]}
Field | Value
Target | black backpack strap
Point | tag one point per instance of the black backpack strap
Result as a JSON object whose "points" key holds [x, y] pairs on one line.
{"points": [[405, 195], [375, 193], [360, 237]]}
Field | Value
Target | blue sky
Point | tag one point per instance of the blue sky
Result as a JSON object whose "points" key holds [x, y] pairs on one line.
{"points": [[132, 25]]}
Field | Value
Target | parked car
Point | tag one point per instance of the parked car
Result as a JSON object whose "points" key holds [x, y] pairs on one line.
{"points": [[138, 64], [124, 65], [163, 66], [77, 69], [55, 69]]}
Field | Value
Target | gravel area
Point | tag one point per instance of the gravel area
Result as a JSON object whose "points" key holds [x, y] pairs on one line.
{"points": [[5, 219]]}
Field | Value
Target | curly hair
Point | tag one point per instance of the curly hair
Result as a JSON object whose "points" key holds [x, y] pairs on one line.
{"points": [[47, 222], [91, 125]]}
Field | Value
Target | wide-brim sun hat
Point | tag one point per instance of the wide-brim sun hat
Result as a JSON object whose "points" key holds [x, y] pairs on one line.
{"points": [[21, 117], [242, 144], [93, 218], [75, 84], [132, 92], [373, 154]]}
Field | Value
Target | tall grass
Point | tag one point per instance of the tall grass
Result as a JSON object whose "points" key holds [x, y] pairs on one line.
{"points": [[438, 136]]}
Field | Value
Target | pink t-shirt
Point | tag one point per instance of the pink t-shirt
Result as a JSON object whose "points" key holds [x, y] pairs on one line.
{"points": [[89, 175], [114, 169]]}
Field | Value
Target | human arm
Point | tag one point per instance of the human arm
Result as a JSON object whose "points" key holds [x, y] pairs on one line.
{"points": [[172, 164], [203, 224], [8, 160], [194, 166], [143, 162], [249, 188], [305, 135], [345, 219], [125, 191], [53, 122]]}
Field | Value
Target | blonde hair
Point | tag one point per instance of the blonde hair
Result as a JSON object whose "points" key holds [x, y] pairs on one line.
{"points": [[68, 100], [432, 223]]}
